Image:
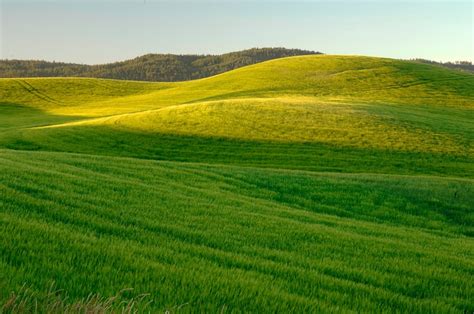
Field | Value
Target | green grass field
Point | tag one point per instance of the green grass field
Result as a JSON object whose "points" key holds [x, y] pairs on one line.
{"points": [[303, 184]]}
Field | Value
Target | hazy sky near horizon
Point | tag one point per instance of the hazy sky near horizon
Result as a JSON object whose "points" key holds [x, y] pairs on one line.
{"points": [[106, 31]]}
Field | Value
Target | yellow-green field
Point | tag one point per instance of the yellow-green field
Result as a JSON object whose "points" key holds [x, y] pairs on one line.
{"points": [[313, 183]]}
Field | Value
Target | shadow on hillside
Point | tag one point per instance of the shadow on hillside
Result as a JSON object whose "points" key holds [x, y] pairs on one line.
{"points": [[17, 116], [310, 156]]}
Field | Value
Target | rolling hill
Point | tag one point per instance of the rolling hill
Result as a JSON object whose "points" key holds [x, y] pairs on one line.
{"points": [[303, 184], [150, 67]]}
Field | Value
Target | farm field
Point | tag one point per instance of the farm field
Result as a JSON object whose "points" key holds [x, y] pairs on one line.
{"points": [[305, 184]]}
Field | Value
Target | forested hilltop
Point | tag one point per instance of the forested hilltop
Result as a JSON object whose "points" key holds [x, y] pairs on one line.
{"points": [[150, 67]]}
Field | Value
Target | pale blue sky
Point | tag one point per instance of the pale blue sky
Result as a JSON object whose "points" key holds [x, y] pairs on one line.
{"points": [[105, 31]]}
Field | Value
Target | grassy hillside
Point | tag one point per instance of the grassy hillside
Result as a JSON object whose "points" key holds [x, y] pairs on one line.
{"points": [[150, 67], [314, 183], [316, 112], [244, 238]]}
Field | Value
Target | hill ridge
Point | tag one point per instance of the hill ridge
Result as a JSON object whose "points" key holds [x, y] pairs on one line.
{"points": [[149, 67]]}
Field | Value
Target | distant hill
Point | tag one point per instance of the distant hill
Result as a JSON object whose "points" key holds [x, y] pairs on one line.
{"points": [[150, 67], [466, 66]]}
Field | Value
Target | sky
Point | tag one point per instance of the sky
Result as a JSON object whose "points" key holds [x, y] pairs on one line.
{"points": [[104, 31]]}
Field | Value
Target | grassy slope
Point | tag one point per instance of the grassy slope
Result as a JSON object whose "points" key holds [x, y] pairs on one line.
{"points": [[337, 106], [246, 238], [293, 240]]}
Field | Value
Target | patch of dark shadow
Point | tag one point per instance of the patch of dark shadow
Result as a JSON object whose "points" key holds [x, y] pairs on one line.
{"points": [[20, 144], [18, 116]]}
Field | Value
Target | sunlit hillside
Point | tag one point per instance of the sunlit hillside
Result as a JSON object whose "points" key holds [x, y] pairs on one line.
{"points": [[304, 184]]}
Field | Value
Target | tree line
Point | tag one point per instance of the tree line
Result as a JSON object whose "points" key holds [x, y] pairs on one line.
{"points": [[457, 65], [150, 67]]}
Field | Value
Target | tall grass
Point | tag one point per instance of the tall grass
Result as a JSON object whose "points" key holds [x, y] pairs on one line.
{"points": [[246, 238], [27, 300]]}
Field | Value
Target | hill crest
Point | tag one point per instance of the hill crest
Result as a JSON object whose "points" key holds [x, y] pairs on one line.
{"points": [[150, 67]]}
